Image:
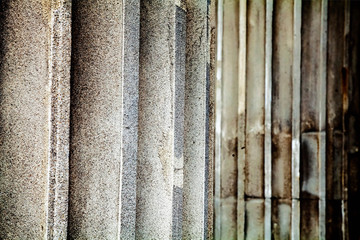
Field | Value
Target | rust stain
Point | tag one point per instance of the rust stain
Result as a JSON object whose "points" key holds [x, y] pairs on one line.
{"points": [[345, 88]]}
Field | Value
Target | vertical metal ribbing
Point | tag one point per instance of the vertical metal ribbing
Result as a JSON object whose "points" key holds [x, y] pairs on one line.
{"points": [[155, 167], [217, 180], [59, 122], [229, 118], [345, 102], [295, 146], [322, 119], [267, 137], [241, 120], [195, 121]]}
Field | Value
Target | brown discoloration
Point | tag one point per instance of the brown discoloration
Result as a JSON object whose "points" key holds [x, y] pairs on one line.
{"points": [[229, 185], [345, 89], [281, 165], [309, 223], [255, 99], [281, 110], [310, 65], [333, 219], [353, 123], [281, 219]]}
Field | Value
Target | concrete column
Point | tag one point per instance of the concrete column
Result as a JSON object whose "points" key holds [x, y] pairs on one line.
{"points": [[196, 121], [34, 114], [58, 159], [156, 120], [96, 119], [130, 90]]}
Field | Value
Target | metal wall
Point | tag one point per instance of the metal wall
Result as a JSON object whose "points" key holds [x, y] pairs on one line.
{"points": [[106, 111], [287, 138]]}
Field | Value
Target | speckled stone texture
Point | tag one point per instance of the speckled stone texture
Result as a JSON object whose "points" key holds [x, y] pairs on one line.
{"points": [[94, 113], [180, 50], [24, 116], [58, 160], [130, 117], [96, 120], [156, 120], [196, 123]]}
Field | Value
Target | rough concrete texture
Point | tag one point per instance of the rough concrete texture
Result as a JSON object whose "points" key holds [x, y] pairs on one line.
{"points": [[58, 160], [24, 117], [130, 88], [96, 115], [180, 52], [195, 125], [156, 120]]}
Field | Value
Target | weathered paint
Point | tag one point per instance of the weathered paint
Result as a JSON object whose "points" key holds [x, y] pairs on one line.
{"points": [[229, 117]]}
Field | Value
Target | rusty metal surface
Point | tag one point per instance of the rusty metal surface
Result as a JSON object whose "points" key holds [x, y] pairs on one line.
{"points": [[314, 119]]}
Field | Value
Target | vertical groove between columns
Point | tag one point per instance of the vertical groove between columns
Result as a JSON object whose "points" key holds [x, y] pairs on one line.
{"points": [[268, 92], [322, 119], [123, 2], [59, 116], [217, 176], [295, 146]]}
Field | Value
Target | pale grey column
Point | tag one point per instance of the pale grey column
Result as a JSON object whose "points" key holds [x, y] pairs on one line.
{"points": [[130, 78], [58, 159], [196, 122], [96, 115], [156, 120], [180, 52], [24, 118]]}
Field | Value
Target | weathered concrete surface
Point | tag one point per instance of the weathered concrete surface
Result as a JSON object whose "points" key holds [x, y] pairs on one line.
{"points": [[58, 160], [180, 57], [196, 122], [96, 115], [24, 118], [130, 89], [156, 120]]}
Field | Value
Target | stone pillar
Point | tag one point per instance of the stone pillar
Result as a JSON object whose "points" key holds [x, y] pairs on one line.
{"points": [[196, 121], [156, 120], [34, 118], [96, 119]]}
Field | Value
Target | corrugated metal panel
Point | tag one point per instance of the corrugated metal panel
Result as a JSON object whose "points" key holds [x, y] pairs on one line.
{"points": [[296, 81]]}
